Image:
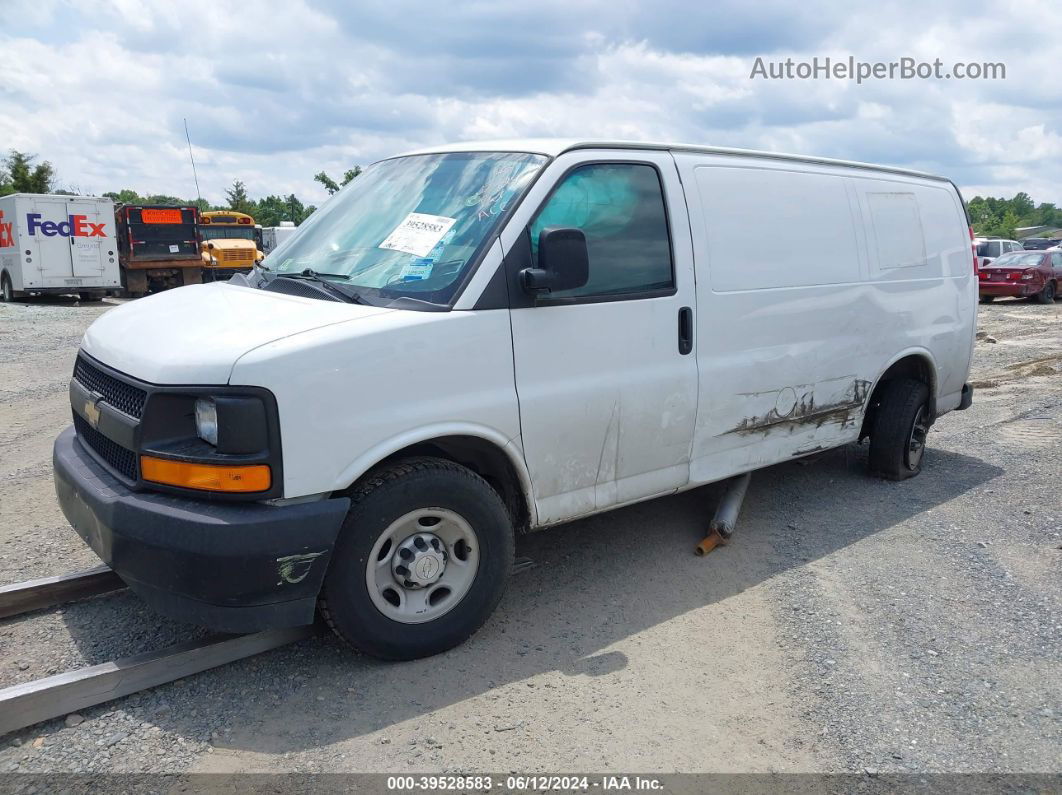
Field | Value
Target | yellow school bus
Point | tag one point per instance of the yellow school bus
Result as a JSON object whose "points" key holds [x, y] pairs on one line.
{"points": [[227, 244]]}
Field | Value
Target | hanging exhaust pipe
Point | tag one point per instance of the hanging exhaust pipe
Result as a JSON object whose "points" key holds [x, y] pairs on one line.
{"points": [[723, 522]]}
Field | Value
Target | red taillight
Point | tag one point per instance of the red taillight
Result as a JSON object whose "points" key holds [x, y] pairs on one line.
{"points": [[205, 220], [243, 220], [1014, 276]]}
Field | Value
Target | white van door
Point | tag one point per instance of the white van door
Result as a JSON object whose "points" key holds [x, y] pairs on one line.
{"points": [[45, 224], [605, 373], [94, 235]]}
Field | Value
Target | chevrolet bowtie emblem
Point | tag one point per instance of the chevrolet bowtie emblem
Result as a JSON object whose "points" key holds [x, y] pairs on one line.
{"points": [[92, 412]]}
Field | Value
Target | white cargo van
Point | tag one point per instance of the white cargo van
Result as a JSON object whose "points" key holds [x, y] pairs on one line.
{"points": [[273, 236], [472, 341], [57, 244]]}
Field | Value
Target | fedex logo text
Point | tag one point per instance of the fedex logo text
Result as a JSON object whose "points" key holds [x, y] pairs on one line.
{"points": [[74, 226], [6, 237]]}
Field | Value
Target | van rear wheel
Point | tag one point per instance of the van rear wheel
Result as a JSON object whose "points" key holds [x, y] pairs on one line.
{"points": [[422, 560], [898, 438], [7, 293]]}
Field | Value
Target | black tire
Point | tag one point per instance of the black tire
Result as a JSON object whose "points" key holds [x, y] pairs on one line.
{"points": [[897, 440], [381, 499], [7, 294], [1046, 295], [987, 299]]}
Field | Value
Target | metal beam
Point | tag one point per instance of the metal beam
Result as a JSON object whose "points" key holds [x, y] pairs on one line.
{"points": [[50, 591], [55, 696]]}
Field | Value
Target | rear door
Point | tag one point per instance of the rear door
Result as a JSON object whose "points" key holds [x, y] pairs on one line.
{"points": [[45, 225], [92, 225], [607, 391]]}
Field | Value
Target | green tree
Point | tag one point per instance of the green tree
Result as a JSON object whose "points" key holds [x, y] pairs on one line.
{"points": [[124, 196], [239, 201], [25, 177], [331, 185], [1022, 205], [271, 210]]}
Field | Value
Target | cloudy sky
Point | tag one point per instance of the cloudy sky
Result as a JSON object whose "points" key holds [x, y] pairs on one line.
{"points": [[276, 91]]}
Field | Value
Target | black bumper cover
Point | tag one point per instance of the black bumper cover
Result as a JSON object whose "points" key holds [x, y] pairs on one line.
{"points": [[233, 567]]}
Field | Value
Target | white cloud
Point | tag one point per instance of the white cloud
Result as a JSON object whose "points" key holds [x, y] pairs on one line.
{"points": [[276, 91]]}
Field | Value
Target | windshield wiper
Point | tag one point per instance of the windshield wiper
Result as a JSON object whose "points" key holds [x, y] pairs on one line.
{"points": [[313, 276], [310, 273]]}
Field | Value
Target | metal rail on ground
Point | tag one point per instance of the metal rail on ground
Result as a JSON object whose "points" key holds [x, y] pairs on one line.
{"points": [[24, 704], [24, 597]]}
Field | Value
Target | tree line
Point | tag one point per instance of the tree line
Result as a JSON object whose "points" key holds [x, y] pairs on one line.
{"points": [[992, 217], [21, 173]]}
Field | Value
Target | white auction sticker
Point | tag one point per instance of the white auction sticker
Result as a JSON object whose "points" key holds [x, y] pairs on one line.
{"points": [[174, 249], [418, 233]]}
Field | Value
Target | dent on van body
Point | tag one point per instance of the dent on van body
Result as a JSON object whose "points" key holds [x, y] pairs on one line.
{"points": [[840, 401]]}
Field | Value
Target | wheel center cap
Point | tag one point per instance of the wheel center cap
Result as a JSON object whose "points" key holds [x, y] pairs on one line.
{"points": [[427, 568], [419, 561]]}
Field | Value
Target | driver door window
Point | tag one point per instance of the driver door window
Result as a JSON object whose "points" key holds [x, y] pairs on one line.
{"points": [[620, 209]]}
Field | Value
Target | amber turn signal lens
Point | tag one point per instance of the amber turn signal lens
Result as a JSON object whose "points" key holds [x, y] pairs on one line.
{"points": [[206, 477]]}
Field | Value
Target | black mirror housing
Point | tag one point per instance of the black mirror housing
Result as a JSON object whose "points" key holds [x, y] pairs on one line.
{"points": [[563, 259]]}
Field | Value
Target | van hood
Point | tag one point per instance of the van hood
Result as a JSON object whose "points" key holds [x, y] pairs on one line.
{"points": [[195, 334]]}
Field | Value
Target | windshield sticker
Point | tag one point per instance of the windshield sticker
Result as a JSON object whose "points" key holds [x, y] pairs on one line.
{"points": [[417, 270], [175, 249], [418, 233]]}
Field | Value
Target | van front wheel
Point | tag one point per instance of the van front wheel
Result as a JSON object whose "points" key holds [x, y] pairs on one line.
{"points": [[898, 438], [421, 562]]}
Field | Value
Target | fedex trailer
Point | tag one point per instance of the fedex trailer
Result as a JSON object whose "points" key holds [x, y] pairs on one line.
{"points": [[57, 244]]}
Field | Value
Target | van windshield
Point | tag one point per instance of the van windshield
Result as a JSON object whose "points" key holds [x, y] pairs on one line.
{"points": [[409, 226]]}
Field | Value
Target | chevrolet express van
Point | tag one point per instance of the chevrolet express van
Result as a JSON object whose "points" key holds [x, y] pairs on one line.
{"points": [[472, 341]]}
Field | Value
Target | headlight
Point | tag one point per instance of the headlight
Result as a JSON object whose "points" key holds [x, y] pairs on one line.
{"points": [[206, 420]]}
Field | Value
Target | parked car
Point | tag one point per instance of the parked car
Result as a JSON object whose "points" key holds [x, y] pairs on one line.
{"points": [[1038, 243], [473, 341], [1029, 274], [989, 249]]}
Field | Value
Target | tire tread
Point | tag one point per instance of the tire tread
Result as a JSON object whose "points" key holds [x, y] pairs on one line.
{"points": [[377, 479], [899, 402]]}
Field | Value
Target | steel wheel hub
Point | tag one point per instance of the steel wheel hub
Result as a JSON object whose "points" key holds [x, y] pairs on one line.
{"points": [[420, 561], [422, 565], [916, 442]]}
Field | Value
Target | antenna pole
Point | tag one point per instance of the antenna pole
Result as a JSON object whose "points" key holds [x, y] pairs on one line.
{"points": [[195, 176]]}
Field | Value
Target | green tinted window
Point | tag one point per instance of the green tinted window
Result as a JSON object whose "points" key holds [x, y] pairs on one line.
{"points": [[620, 209]]}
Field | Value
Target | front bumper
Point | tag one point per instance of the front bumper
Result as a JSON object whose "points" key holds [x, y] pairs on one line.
{"points": [[1008, 289], [232, 567]]}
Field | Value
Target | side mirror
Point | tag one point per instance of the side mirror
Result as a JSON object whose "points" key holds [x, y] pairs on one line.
{"points": [[564, 262]]}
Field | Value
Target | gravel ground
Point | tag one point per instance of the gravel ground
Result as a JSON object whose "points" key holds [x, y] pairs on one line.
{"points": [[852, 625]]}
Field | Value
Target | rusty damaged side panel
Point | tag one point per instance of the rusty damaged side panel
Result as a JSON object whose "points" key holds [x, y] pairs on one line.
{"points": [[805, 405]]}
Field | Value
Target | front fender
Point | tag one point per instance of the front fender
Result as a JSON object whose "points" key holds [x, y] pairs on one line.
{"points": [[511, 448]]}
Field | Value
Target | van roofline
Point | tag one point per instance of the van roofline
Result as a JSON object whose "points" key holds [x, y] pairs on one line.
{"points": [[67, 196], [556, 146]]}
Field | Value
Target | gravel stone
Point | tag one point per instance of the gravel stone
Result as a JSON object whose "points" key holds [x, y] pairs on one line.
{"points": [[851, 624]]}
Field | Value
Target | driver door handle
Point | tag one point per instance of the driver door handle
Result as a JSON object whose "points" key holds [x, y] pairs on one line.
{"points": [[685, 330]]}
